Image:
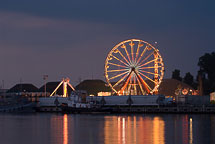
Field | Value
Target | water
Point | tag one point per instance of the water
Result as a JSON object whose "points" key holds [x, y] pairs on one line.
{"points": [[46, 128]]}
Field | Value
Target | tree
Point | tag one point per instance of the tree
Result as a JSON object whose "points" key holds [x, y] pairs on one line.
{"points": [[207, 69], [176, 75], [206, 64], [188, 79]]}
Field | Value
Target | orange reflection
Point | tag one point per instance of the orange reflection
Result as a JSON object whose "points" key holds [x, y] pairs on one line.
{"points": [[146, 131], [185, 128], [118, 130], [191, 131], [158, 131], [132, 129], [123, 130], [56, 127], [65, 129]]}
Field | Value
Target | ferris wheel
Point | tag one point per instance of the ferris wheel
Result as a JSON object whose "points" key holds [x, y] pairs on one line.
{"points": [[134, 67]]}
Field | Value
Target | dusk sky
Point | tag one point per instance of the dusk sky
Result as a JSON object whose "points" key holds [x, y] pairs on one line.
{"points": [[72, 38]]}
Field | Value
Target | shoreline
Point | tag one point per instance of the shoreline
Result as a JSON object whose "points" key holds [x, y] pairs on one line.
{"points": [[130, 109]]}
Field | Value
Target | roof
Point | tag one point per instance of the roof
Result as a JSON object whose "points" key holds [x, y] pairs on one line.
{"points": [[168, 86], [93, 86], [23, 88]]}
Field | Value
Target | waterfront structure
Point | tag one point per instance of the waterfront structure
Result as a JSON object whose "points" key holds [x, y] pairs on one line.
{"points": [[137, 100], [22, 91], [195, 100]]}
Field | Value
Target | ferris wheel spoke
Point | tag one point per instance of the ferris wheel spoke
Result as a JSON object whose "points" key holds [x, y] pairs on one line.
{"points": [[148, 72], [118, 70], [118, 75], [124, 47], [132, 50], [147, 62], [148, 78], [133, 84], [146, 86], [147, 57], [135, 87], [123, 57], [120, 60], [125, 83], [138, 49], [117, 65], [149, 67], [129, 86], [142, 54], [140, 85], [117, 83]]}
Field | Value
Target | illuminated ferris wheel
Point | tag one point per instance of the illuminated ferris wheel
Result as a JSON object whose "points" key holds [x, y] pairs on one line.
{"points": [[134, 67]]}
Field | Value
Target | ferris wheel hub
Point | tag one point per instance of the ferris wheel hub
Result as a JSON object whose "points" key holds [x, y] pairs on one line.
{"points": [[133, 68]]}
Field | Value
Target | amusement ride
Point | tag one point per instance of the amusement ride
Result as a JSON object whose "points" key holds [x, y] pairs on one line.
{"points": [[134, 67]]}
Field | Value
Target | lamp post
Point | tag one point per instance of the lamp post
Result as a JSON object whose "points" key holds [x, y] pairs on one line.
{"points": [[45, 77]]}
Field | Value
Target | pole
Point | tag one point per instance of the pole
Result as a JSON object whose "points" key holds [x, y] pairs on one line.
{"points": [[45, 88], [2, 84], [45, 78]]}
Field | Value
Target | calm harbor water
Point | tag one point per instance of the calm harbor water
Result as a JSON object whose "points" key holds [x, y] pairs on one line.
{"points": [[47, 128]]}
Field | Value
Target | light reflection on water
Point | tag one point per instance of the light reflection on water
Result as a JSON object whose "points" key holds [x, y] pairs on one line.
{"points": [[130, 129], [65, 129], [191, 131], [108, 129]]}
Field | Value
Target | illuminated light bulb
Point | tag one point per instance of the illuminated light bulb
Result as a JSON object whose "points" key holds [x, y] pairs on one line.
{"points": [[123, 46], [140, 45]]}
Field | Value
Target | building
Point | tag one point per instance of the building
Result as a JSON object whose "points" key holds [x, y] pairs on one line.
{"points": [[169, 87], [21, 92], [94, 87]]}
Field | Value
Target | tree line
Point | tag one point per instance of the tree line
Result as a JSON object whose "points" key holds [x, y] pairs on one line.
{"points": [[205, 77]]}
